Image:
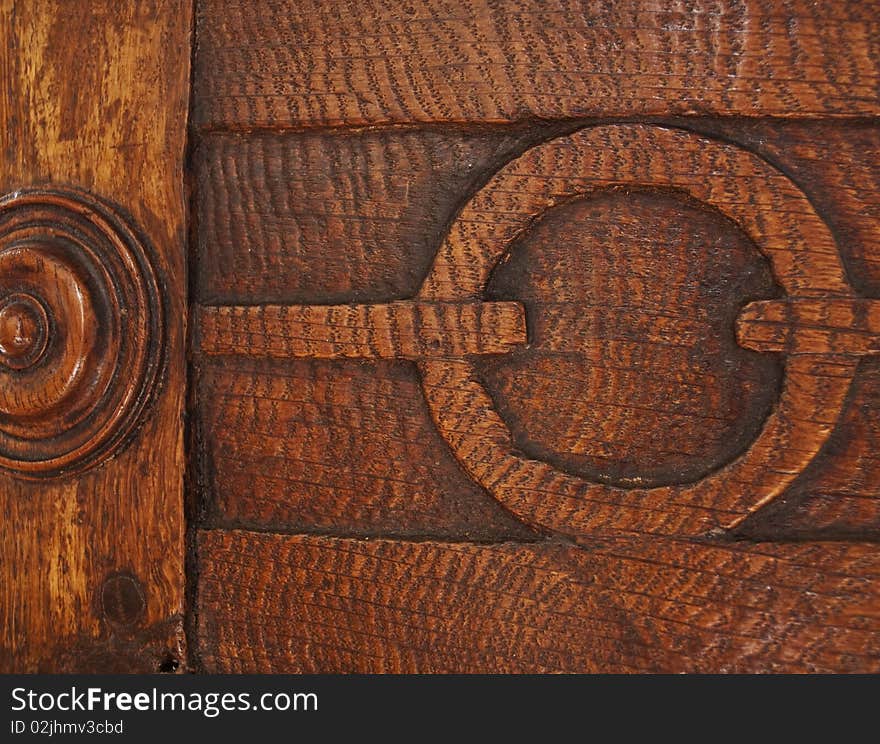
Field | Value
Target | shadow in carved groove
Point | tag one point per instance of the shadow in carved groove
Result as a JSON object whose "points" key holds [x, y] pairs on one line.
{"points": [[631, 298]]}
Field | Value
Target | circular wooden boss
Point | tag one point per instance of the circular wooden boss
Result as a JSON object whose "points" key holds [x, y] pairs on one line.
{"points": [[80, 331]]}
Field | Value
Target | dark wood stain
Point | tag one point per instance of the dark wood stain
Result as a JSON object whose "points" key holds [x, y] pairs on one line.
{"points": [[631, 299], [675, 290], [327, 219], [618, 606], [681, 198], [342, 447]]}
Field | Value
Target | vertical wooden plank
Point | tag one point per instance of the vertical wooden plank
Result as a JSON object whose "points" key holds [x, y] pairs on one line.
{"points": [[95, 96]]}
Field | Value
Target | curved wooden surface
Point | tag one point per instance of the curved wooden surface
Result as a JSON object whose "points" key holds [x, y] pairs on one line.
{"points": [[785, 228], [98, 332]]}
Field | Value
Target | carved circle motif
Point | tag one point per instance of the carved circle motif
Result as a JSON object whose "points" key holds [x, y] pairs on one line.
{"points": [[81, 331], [775, 214], [24, 331]]}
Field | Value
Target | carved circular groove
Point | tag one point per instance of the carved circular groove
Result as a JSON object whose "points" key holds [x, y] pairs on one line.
{"points": [[81, 330], [24, 331], [644, 393], [764, 203]]}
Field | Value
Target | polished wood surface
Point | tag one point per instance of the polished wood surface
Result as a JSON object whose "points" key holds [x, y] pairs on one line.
{"points": [[87, 322], [93, 112]]}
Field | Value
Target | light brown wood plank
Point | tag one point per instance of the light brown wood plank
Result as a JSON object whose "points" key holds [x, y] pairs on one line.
{"points": [[97, 98], [290, 63], [273, 603]]}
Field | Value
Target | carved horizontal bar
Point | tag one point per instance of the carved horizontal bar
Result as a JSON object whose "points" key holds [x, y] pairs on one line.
{"points": [[837, 326], [395, 330]]}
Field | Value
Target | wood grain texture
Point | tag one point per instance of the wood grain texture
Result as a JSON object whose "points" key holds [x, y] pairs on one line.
{"points": [[272, 603], [85, 326], [631, 297], [114, 125], [838, 166], [332, 446], [330, 219], [764, 203], [284, 63], [838, 495], [811, 326], [255, 195], [397, 330], [356, 216]]}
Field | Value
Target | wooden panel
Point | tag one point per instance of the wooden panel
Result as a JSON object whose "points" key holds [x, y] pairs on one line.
{"points": [[91, 565], [838, 167], [287, 63], [357, 217], [628, 416], [333, 446], [394, 330], [330, 219], [811, 326], [270, 603]]}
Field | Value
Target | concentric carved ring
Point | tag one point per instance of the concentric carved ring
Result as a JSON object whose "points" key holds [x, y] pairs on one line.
{"points": [[81, 329], [775, 214], [24, 331]]}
